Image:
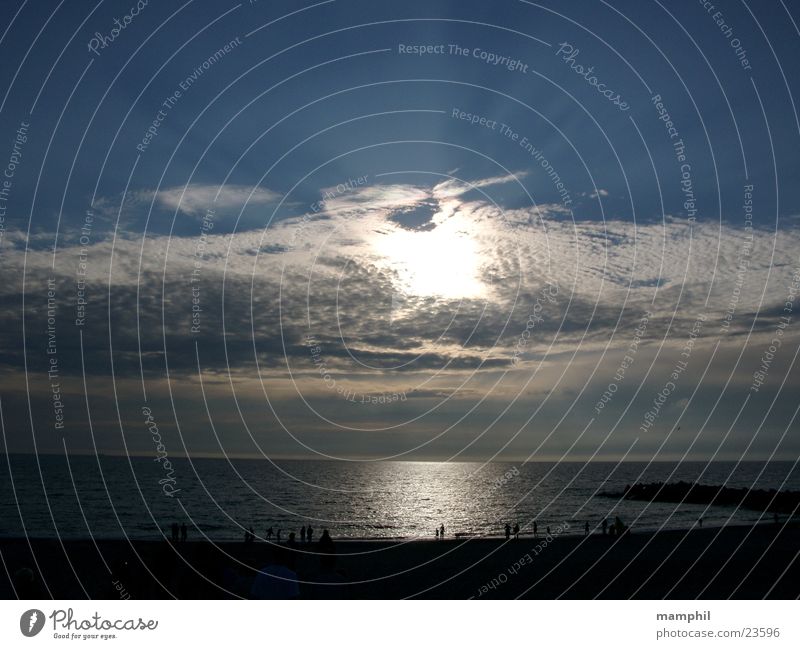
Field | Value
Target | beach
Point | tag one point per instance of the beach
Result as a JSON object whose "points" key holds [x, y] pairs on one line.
{"points": [[742, 562]]}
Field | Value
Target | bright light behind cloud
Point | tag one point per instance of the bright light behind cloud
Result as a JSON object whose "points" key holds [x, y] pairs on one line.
{"points": [[443, 262]]}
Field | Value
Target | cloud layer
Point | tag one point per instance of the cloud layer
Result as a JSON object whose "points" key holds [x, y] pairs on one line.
{"points": [[429, 294]]}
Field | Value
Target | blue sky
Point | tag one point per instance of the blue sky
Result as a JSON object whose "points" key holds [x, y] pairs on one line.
{"points": [[308, 183]]}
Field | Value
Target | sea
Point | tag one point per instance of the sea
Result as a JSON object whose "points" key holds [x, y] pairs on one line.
{"points": [[218, 499]]}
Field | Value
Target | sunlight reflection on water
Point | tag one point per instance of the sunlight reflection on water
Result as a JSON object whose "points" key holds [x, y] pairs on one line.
{"points": [[357, 499]]}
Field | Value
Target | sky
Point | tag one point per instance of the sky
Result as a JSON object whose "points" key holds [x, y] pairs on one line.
{"points": [[420, 230]]}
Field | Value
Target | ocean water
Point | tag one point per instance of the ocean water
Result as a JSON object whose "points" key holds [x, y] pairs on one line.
{"points": [[117, 497]]}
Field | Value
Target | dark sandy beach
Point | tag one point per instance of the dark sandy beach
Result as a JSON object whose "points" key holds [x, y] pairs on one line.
{"points": [[735, 562]]}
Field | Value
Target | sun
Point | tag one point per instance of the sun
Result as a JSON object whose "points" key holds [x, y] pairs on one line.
{"points": [[443, 262]]}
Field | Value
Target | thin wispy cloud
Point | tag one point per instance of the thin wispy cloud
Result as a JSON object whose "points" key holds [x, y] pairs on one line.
{"points": [[195, 199]]}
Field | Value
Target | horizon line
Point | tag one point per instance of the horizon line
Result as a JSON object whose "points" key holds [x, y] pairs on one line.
{"points": [[304, 458]]}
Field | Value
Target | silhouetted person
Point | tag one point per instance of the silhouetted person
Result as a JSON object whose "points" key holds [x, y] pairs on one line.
{"points": [[184, 532], [605, 526], [548, 530], [586, 529], [326, 543], [619, 525], [175, 532], [508, 531], [270, 533], [303, 534], [437, 533], [516, 530], [310, 534], [535, 529], [291, 542], [441, 531]]}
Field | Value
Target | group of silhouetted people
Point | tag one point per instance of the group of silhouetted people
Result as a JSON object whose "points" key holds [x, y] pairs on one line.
{"points": [[179, 532], [306, 535], [509, 531], [439, 532], [617, 528], [278, 579]]}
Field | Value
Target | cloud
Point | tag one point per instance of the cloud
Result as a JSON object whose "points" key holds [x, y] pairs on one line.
{"points": [[454, 187], [345, 279], [372, 198], [195, 199], [163, 211], [285, 306]]}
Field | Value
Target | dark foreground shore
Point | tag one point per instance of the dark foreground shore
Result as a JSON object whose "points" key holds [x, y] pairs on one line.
{"points": [[735, 562]]}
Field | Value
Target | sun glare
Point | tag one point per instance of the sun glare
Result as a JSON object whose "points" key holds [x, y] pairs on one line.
{"points": [[443, 262]]}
